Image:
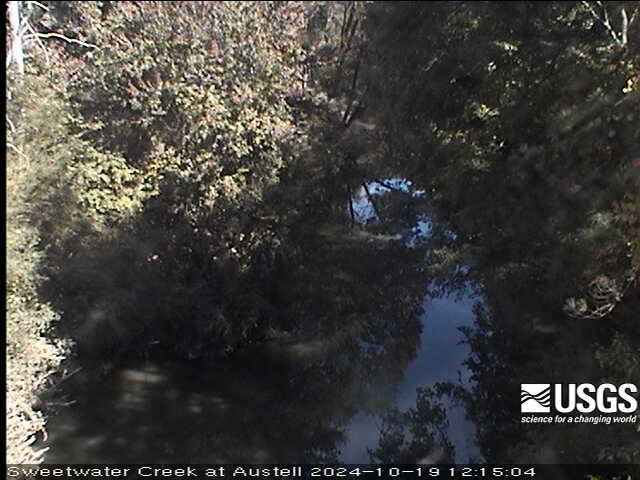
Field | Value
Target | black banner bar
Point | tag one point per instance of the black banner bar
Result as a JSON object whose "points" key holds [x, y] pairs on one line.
{"points": [[345, 472]]}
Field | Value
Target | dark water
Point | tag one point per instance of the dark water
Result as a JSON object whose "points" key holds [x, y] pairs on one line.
{"points": [[251, 408]]}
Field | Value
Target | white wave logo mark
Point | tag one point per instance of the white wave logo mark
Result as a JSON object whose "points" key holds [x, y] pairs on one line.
{"points": [[535, 397]]}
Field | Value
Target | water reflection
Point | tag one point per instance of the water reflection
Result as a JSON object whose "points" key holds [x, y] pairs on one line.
{"points": [[282, 401], [439, 359], [261, 406]]}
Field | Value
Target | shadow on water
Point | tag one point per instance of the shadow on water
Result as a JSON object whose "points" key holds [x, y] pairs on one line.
{"points": [[281, 401], [168, 411], [273, 403]]}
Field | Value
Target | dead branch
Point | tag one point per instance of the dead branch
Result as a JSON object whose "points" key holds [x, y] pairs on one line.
{"points": [[64, 38], [38, 4], [604, 20], [35, 34], [16, 149]]}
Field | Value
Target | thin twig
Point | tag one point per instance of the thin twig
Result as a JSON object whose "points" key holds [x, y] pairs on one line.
{"points": [[16, 149], [351, 210], [44, 49], [11, 125], [62, 404], [389, 186], [625, 25], [66, 39], [604, 20], [41, 452], [372, 201], [66, 376], [44, 7]]}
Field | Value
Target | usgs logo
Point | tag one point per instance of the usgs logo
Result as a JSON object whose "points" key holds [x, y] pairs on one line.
{"points": [[583, 398]]}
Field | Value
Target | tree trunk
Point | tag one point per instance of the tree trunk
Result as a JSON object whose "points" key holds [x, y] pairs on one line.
{"points": [[16, 37]]}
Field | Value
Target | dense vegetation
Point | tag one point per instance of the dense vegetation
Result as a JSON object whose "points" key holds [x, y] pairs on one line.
{"points": [[523, 125], [183, 173], [34, 162]]}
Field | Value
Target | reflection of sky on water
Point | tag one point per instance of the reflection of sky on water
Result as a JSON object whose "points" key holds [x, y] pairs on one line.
{"points": [[364, 211], [441, 354], [439, 359]]}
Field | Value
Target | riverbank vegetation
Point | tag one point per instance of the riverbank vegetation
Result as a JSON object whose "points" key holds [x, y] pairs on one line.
{"points": [[182, 176], [521, 122]]}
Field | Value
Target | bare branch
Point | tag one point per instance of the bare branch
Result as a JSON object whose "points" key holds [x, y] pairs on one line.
{"points": [[23, 28], [44, 49], [38, 4], [11, 125], [16, 149], [586, 4], [625, 25], [65, 38], [604, 20]]}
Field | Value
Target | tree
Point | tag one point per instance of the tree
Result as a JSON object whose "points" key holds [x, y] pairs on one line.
{"points": [[530, 108], [15, 53], [37, 152]]}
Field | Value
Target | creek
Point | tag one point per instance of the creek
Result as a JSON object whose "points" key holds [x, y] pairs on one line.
{"points": [[287, 400]]}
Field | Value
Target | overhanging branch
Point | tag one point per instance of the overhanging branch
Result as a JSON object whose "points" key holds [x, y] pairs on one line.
{"points": [[64, 38]]}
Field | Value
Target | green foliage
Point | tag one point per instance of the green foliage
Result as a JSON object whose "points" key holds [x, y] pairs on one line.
{"points": [[196, 91], [183, 108], [36, 155]]}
